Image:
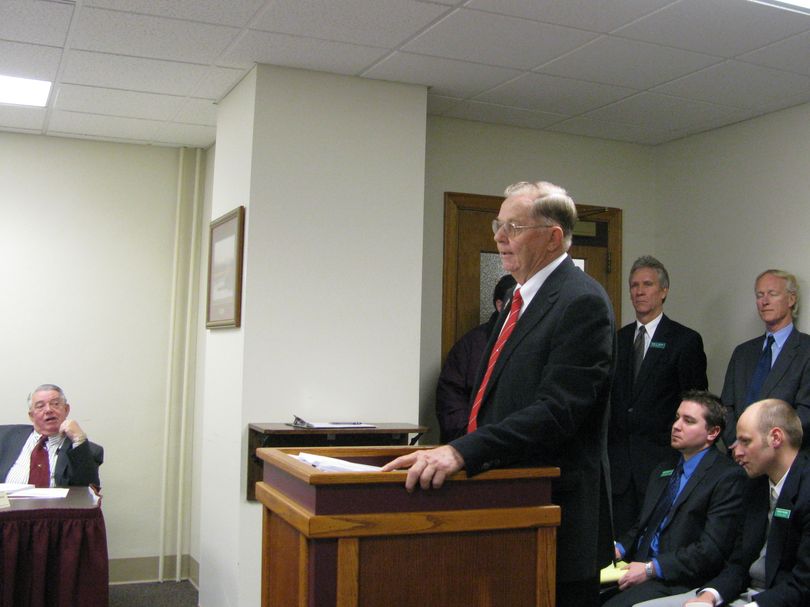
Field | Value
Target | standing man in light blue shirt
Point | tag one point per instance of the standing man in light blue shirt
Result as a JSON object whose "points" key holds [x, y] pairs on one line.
{"points": [[776, 365]]}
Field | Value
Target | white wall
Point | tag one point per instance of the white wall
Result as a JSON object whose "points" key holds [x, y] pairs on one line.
{"points": [[331, 170], [478, 158], [731, 203], [86, 240]]}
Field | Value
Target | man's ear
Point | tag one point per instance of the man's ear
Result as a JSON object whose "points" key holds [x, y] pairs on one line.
{"points": [[714, 433], [776, 437]]}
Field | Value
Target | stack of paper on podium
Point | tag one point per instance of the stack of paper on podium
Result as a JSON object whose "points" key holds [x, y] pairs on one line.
{"points": [[333, 464]]}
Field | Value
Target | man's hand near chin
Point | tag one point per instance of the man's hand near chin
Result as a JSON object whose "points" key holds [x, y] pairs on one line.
{"points": [[428, 467]]}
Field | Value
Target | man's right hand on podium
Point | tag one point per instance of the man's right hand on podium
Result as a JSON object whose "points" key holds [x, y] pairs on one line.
{"points": [[428, 467]]}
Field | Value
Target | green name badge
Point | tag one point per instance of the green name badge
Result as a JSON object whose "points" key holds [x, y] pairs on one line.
{"points": [[660, 345], [666, 473], [781, 513]]}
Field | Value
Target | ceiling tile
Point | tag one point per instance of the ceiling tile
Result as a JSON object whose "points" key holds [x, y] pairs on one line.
{"points": [[792, 55], [153, 37], [115, 102], [379, 23], [146, 75], [649, 110], [716, 27], [607, 130], [737, 84], [499, 114], [93, 125], [19, 117], [29, 60], [306, 53], [34, 22], [444, 76], [554, 94], [186, 135], [217, 82], [592, 15], [627, 63], [497, 40], [197, 111], [233, 12]]}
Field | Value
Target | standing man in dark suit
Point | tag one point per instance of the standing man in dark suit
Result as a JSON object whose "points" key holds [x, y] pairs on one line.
{"points": [[776, 365], [770, 563], [54, 452], [689, 519], [542, 394], [658, 360]]}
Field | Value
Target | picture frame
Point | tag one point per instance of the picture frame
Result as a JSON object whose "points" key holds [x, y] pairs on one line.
{"points": [[225, 252]]}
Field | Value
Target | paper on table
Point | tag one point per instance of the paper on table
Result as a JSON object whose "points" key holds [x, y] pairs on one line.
{"points": [[42, 493], [302, 423], [13, 487], [332, 464]]}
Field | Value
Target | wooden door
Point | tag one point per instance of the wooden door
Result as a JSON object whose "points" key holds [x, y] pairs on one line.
{"points": [[470, 257]]}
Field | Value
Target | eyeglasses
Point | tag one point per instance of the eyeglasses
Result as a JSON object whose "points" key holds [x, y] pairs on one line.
{"points": [[54, 404], [512, 229]]}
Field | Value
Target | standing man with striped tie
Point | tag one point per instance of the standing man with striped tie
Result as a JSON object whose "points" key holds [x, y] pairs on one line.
{"points": [[543, 387], [774, 365], [54, 452]]}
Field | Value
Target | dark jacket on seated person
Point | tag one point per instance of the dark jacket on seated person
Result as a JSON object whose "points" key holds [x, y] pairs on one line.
{"points": [[75, 466]]}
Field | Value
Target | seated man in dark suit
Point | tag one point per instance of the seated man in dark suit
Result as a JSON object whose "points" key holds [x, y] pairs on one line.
{"points": [[770, 563], [776, 365], [54, 452], [658, 360], [689, 518]]}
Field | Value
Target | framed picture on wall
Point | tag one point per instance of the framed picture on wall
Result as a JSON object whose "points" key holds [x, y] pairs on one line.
{"points": [[225, 246]]}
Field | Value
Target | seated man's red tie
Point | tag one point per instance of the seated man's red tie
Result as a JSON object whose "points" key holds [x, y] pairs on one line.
{"points": [[511, 321]]}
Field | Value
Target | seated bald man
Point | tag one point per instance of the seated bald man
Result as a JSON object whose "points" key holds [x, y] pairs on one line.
{"points": [[54, 452]]}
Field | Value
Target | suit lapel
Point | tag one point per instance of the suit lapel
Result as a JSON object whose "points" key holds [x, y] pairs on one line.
{"points": [[541, 303], [697, 476], [653, 355], [780, 523], [783, 362], [654, 492]]}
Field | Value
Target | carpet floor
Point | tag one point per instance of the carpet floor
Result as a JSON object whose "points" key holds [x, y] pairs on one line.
{"points": [[155, 594]]}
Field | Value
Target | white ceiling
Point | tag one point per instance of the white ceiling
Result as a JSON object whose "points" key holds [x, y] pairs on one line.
{"points": [[646, 71]]}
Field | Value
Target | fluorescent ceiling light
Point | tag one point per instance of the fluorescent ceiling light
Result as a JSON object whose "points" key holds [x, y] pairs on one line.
{"points": [[797, 6], [24, 91]]}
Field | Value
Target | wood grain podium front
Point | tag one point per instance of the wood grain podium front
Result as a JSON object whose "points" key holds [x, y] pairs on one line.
{"points": [[358, 539]]}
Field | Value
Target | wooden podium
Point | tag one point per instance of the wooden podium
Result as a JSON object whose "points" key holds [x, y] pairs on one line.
{"points": [[358, 539]]}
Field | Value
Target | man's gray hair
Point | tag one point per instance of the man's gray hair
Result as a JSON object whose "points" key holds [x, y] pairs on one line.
{"points": [[551, 203], [46, 388], [791, 285], [648, 261]]}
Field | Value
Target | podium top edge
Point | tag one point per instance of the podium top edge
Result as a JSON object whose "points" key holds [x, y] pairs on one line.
{"points": [[280, 458]]}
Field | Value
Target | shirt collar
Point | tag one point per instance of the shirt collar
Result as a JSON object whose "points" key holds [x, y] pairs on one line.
{"points": [[530, 288], [780, 336], [693, 462], [651, 326]]}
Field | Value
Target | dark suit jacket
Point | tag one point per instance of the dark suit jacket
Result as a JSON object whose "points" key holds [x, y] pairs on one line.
{"points": [[74, 466], [546, 404], [702, 525], [787, 557], [788, 380], [642, 411]]}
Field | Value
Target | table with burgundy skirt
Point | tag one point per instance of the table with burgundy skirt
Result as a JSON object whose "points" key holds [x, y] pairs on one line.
{"points": [[53, 552]]}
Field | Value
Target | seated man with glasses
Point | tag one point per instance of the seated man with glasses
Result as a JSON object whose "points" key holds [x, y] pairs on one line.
{"points": [[54, 452]]}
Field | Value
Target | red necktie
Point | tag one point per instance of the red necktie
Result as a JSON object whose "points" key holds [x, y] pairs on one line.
{"points": [[40, 473], [511, 321]]}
